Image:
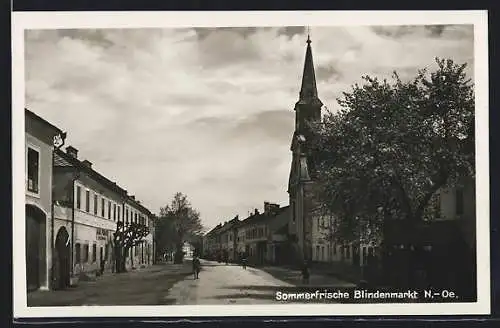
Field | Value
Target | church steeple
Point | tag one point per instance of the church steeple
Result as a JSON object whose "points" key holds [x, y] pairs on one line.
{"points": [[308, 108], [308, 90]]}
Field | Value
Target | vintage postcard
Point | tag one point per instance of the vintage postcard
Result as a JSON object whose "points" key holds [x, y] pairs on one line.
{"points": [[186, 164]]}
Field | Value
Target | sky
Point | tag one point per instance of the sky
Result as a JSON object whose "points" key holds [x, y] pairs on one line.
{"points": [[209, 111]]}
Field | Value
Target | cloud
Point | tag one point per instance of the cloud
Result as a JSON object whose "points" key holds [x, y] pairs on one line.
{"points": [[208, 111]]}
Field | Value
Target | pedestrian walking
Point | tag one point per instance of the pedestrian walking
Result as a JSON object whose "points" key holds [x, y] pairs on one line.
{"points": [[244, 262], [196, 267], [305, 273]]}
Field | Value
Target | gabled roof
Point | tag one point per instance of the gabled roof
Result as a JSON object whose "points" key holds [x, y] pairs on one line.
{"points": [[262, 217], [35, 117], [64, 160]]}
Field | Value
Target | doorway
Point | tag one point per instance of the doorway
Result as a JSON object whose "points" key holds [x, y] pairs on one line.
{"points": [[62, 259], [35, 247]]}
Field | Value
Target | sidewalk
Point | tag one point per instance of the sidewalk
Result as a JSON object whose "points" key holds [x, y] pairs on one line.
{"points": [[145, 286], [328, 274]]}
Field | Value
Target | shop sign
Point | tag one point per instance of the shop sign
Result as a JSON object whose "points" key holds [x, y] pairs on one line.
{"points": [[102, 234]]}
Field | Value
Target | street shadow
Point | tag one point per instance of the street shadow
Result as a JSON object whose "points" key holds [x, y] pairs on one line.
{"points": [[245, 296]]}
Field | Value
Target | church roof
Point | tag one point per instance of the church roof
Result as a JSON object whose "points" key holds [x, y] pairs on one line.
{"points": [[308, 90]]}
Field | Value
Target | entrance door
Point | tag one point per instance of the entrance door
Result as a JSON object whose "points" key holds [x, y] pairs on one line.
{"points": [[63, 258], [33, 244]]}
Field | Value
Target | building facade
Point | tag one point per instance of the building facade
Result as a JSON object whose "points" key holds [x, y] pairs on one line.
{"points": [[88, 207], [39, 148]]}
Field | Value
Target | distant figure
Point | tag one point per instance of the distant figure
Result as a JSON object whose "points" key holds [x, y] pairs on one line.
{"points": [[103, 262], [244, 262], [196, 267], [305, 273]]}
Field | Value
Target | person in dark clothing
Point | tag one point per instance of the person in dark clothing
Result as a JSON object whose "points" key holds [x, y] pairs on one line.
{"points": [[244, 262], [196, 267], [305, 273], [103, 262]]}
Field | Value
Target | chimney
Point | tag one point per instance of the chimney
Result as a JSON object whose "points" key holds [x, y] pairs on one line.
{"points": [[256, 212], [133, 197], [72, 151], [87, 163], [270, 208]]}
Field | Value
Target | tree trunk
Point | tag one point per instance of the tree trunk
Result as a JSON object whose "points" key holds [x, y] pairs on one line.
{"points": [[131, 257], [179, 255], [117, 255]]}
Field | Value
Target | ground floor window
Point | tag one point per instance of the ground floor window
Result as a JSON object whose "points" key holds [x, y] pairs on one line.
{"points": [[78, 253], [85, 253], [94, 253]]}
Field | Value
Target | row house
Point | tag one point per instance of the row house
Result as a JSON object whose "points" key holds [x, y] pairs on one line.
{"points": [[261, 237], [142, 254], [212, 241], [71, 212], [228, 240], [88, 207], [41, 138]]}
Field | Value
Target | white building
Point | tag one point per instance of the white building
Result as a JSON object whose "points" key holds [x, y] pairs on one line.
{"points": [[39, 146], [88, 208]]}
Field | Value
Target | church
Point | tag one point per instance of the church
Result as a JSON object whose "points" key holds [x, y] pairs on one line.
{"points": [[301, 184], [308, 224]]}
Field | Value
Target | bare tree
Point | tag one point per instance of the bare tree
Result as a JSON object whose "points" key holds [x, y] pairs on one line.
{"points": [[185, 221]]}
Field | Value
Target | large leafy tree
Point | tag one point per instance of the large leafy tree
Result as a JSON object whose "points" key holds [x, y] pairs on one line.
{"points": [[392, 146], [180, 222], [126, 236]]}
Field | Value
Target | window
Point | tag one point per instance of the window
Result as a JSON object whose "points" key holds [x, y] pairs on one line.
{"points": [[322, 253], [293, 211], [126, 215], [85, 253], [317, 252], [119, 211], [79, 197], [459, 202], [136, 217], [95, 204], [114, 212], [78, 253], [109, 209], [103, 207], [87, 201], [33, 163], [94, 253]]}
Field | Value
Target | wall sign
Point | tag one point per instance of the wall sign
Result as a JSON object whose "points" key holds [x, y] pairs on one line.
{"points": [[101, 234]]}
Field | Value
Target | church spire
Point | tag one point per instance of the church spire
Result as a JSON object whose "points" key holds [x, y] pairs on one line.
{"points": [[308, 91]]}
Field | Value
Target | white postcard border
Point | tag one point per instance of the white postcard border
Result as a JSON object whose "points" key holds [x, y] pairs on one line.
{"points": [[56, 20]]}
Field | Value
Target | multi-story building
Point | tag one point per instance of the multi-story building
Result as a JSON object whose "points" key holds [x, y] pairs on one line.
{"points": [[140, 255], [39, 148], [212, 250], [88, 207], [228, 239], [278, 246]]}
